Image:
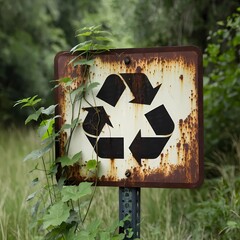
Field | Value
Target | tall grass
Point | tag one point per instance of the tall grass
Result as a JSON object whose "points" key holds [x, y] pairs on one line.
{"points": [[211, 212], [14, 183]]}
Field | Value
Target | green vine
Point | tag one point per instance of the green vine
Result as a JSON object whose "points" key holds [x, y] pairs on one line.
{"points": [[58, 210]]}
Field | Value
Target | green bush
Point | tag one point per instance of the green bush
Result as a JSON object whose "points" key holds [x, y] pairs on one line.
{"points": [[222, 84]]}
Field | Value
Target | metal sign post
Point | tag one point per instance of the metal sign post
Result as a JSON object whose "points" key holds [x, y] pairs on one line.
{"points": [[129, 206]]}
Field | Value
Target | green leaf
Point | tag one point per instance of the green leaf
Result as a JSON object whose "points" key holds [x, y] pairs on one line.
{"points": [[93, 227], [36, 154], [32, 101], [57, 213], [81, 45], [91, 165], [66, 126], [49, 110], [77, 93], [77, 157], [86, 47], [65, 80], [91, 86], [120, 236], [76, 192], [28, 102], [105, 236], [103, 33], [34, 116], [66, 161], [21, 101], [45, 129], [84, 34], [53, 170]]}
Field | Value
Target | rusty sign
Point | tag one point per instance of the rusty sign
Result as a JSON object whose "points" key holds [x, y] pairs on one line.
{"points": [[143, 122]]}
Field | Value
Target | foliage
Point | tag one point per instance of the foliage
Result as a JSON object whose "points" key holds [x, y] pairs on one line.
{"points": [[33, 31], [29, 40], [59, 210], [211, 212], [160, 23], [222, 83]]}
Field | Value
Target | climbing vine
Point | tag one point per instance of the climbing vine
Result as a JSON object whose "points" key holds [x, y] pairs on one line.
{"points": [[59, 211]]}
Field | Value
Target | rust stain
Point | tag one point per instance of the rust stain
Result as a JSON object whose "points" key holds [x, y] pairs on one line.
{"points": [[113, 169]]}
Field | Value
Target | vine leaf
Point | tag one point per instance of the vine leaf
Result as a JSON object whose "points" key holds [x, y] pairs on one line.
{"points": [[91, 86], [104, 235], [91, 165], [28, 102], [45, 129], [76, 192], [77, 157], [38, 153], [65, 80], [77, 93], [74, 49], [34, 116], [50, 110], [58, 213], [94, 226], [67, 161]]}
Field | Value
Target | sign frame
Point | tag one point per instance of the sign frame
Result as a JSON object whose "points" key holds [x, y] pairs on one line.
{"points": [[124, 56]]}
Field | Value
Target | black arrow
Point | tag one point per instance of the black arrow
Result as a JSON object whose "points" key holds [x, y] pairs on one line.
{"points": [[95, 120], [147, 147], [160, 121], [140, 87], [111, 90], [108, 147]]}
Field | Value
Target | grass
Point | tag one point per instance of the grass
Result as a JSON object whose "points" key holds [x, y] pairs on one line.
{"points": [[14, 184], [211, 212]]}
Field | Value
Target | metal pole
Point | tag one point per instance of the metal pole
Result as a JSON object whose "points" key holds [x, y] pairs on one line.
{"points": [[129, 205]]}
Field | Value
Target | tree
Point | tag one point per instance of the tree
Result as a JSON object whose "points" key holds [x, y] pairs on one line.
{"points": [[222, 84], [29, 40]]}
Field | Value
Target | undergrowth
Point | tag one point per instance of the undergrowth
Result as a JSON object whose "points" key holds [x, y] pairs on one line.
{"points": [[211, 212]]}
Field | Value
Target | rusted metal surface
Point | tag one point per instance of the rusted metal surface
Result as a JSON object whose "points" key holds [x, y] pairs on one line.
{"points": [[129, 124]]}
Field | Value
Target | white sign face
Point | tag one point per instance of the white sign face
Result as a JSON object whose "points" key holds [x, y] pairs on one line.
{"points": [[143, 119]]}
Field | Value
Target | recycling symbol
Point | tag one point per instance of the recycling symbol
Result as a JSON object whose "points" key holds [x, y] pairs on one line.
{"points": [[158, 118]]}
